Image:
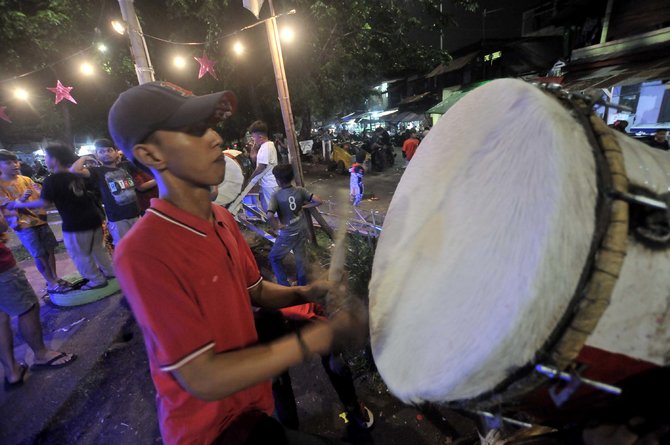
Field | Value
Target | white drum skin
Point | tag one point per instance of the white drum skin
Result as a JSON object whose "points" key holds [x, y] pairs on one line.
{"points": [[483, 246]]}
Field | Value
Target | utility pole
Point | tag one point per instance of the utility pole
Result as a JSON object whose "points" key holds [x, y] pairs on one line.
{"points": [[138, 47], [287, 116], [282, 89]]}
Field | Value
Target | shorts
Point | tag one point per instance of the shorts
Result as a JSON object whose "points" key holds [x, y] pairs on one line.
{"points": [[16, 294], [39, 241]]}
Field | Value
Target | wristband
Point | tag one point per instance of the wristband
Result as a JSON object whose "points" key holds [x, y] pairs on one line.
{"points": [[306, 353]]}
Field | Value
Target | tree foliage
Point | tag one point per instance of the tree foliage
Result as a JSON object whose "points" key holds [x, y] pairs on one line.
{"points": [[343, 48]]}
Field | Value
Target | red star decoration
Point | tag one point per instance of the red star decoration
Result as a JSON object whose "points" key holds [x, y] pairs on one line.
{"points": [[206, 66], [3, 115], [62, 92]]}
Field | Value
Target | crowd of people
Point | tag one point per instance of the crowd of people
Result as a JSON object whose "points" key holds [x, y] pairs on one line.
{"points": [[220, 338]]}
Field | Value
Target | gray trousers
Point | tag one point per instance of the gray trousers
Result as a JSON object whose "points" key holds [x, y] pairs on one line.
{"points": [[118, 229], [88, 252]]}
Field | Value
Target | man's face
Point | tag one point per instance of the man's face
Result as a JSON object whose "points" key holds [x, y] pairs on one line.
{"points": [[10, 168], [107, 155], [50, 162], [661, 136], [258, 138], [194, 160]]}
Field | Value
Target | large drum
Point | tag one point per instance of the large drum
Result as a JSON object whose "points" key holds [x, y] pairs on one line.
{"points": [[239, 169], [507, 246]]}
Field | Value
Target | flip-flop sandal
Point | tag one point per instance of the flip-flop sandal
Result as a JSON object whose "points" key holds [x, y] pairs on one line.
{"points": [[97, 286], [13, 385], [51, 364], [60, 289]]}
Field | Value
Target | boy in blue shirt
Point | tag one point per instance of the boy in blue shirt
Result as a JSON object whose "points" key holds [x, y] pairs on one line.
{"points": [[287, 204]]}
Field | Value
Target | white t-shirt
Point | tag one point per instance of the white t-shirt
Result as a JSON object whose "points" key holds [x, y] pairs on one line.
{"points": [[267, 155]]}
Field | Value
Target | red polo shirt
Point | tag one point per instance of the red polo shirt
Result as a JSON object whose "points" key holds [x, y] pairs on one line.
{"points": [[187, 282]]}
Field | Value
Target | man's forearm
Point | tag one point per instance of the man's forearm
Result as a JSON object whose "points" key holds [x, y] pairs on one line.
{"points": [[78, 167], [37, 204], [213, 376], [275, 296], [151, 183], [260, 168]]}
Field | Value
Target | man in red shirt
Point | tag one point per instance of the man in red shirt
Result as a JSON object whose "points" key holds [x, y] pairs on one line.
{"points": [[191, 280], [410, 145]]}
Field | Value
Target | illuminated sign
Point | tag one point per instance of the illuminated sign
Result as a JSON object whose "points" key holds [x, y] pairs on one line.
{"points": [[493, 56]]}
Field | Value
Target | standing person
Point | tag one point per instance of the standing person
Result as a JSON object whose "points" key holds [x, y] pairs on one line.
{"points": [[287, 204], [27, 170], [116, 187], [191, 280], [30, 225], [660, 140], [267, 156], [410, 145], [145, 186], [17, 298], [356, 183], [82, 218]]}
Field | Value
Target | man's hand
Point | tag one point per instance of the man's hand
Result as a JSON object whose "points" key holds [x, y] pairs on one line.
{"points": [[27, 194], [318, 290]]}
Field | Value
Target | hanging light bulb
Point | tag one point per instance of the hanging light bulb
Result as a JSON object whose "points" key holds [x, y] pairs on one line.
{"points": [[86, 69], [238, 48], [179, 62], [21, 94]]}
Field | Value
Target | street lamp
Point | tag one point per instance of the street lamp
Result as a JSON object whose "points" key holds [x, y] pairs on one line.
{"points": [[21, 94], [102, 47], [238, 48], [119, 27]]}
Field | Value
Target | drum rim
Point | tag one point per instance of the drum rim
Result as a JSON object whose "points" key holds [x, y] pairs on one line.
{"points": [[602, 268]]}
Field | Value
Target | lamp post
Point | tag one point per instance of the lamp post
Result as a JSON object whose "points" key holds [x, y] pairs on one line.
{"points": [[138, 47], [282, 89]]}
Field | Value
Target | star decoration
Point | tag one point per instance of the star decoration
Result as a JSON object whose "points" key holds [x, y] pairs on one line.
{"points": [[3, 115], [62, 92], [206, 66]]}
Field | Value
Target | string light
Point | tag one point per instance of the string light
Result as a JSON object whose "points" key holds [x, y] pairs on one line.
{"points": [[238, 48], [102, 47], [86, 69], [21, 94], [179, 62]]}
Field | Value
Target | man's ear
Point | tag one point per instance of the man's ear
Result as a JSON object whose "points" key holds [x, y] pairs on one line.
{"points": [[149, 155]]}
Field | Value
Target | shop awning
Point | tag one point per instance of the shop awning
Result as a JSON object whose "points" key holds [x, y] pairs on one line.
{"points": [[414, 99], [617, 75], [405, 116], [452, 98], [453, 65]]}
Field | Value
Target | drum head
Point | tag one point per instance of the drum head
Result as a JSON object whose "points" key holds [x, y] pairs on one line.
{"points": [[483, 244]]}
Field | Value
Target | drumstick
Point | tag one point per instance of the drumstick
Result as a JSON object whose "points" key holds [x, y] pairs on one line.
{"points": [[339, 252]]}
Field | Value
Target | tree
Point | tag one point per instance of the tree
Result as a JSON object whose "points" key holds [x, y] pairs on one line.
{"points": [[347, 46], [38, 38]]}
